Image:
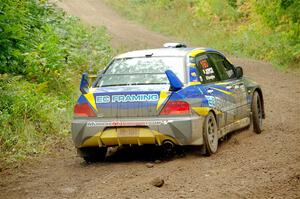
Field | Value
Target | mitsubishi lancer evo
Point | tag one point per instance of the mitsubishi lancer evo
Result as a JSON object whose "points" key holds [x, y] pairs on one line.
{"points": [[173, 96]]}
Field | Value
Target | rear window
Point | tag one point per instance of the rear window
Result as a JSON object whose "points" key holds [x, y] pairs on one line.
{"points": [[141, 71]]}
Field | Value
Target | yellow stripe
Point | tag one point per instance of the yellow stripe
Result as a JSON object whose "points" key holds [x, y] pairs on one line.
{"points": [[194, 83], [162, 97], [221, 83], [90, 98], [229, 60], [201, 110], [195, 52], [226, 92], [223, 91]]}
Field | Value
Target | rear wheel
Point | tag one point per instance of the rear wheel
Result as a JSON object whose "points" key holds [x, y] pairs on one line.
{"points": [[93, 154], [210, 134], [257, 113]]}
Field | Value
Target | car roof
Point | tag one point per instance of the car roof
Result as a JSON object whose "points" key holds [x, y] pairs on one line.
{"points": [[164, 52]]}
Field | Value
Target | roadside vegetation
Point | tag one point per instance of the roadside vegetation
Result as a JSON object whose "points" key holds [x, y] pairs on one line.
{"points": [[267, 29], [42, 54]]}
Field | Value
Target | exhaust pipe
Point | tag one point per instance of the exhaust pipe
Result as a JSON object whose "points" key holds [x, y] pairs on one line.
{"points": [[168, 146]]}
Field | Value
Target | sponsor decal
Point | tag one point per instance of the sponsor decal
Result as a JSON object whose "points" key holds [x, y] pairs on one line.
{"points": [[204, 63], [127, 123], [210, 77], [210, 100], [219, 103], [201, 79], [103, 99], [208, 71]]}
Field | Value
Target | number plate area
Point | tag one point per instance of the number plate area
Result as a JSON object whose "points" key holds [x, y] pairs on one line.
{"points": [[128, 132]]}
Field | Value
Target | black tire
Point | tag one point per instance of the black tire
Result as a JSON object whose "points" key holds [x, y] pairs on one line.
{"points": [[257, 113], [93, 154], [210, 134]]}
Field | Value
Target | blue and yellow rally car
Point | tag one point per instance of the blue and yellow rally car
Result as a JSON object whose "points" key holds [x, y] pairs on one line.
{"points": [[169, 96]]}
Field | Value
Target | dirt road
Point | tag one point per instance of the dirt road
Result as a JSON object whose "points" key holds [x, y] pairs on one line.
{"points": [[246, 166], [125, 34]]}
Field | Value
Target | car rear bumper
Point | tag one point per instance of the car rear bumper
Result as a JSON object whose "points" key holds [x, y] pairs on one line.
{"points": [[89, 132]]}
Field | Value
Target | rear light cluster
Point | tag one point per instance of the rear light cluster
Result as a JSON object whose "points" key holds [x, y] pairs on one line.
{"points": [[175, 108], [84, 110]]}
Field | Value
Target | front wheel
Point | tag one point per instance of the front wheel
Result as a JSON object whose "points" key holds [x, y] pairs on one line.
{"points": [[210, 134], [93, 154], [257, 113]]}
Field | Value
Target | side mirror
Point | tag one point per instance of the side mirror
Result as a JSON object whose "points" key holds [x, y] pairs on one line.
{"points": [[84, 83], [175, 82], [239, 72]]}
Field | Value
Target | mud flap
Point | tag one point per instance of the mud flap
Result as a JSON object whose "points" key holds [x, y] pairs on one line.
{"points": [[203, 150]]}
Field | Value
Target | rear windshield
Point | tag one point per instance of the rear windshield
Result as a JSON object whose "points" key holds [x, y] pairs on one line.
{"points": [[141, 71]]}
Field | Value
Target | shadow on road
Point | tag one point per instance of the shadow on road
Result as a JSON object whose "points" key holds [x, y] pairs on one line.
{"points": [[151, 153]]}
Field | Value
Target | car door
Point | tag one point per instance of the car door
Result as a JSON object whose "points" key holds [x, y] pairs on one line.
{"points": [[231, 84], [215, 93]]}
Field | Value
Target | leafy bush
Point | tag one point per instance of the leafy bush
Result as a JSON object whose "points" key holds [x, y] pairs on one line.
{"points": [[283, 19], [39, 41], [43, 52], [28, 116]]}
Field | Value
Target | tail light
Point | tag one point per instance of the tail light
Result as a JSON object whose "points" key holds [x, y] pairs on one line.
{"points": [[84, 110], [176, 108]]}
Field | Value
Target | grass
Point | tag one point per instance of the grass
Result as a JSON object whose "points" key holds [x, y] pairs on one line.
{"points": [[40, 71], [234, 27]]}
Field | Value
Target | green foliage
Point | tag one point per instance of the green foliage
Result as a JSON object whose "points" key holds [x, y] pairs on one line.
{"points": [[38, 41], [28, 117], [265, 29], [43, 52], [216, 9], [283, 18]]}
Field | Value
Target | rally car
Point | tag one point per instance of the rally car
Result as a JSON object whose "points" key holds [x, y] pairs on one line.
{"points": [[169, 96]]}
